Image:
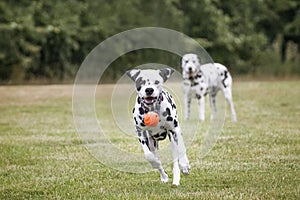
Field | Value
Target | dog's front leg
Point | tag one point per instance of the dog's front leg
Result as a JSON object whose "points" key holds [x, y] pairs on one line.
{"points": [[151, 155], [201, 100], [183, 160], [228, 96], [179, 154], [176, 170]]}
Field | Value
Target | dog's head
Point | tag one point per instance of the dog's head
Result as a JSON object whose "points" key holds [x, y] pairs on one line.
{"points": [[190, 65], [149, 82]]}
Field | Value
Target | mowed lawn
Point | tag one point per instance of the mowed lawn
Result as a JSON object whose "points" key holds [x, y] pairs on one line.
{"points": [[43, 157]]}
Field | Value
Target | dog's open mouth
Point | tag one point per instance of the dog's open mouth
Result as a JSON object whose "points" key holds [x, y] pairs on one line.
{"points": [[149, 100]]}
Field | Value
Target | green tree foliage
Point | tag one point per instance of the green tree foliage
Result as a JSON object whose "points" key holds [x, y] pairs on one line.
{"points": [[48, 40]]}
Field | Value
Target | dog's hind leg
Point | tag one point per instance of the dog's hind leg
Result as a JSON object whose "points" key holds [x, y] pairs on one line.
{"points": [[228, 97], [212, 100]]}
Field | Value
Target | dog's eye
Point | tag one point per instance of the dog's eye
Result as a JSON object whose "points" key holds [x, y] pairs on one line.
{"points": [[194, 61], [156, 82], [186, 61]]}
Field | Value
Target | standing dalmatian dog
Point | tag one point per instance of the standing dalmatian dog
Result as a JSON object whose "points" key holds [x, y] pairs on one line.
{"points": [[152, 97], [202, 79]]}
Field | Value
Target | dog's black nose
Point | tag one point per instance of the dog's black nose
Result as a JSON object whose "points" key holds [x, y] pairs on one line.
{"points": [[149, 91], [190, 69]]}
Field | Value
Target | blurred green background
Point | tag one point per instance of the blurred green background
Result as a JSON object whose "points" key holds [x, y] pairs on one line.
{"points": [[44, 41]]}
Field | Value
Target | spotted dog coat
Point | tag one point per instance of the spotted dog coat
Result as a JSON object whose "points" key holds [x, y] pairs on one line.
{"points": [[200, 80], [152, 97]]}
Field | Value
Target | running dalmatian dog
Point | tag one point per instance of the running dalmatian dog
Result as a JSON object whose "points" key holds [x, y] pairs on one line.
{"points": [[202, 79], [152, 97]]}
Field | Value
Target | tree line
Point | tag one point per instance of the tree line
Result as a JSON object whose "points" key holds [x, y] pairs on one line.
{"points": [[43, 40]]}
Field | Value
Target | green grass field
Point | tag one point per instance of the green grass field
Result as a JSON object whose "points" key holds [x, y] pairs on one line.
{"points": [[42, 156]]}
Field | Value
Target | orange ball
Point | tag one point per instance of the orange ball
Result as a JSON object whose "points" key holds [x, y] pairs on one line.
{"points": [[151, 119]]}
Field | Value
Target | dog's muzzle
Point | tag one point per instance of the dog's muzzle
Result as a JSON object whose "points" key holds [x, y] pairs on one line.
{"points": [[149, 100], [190, 72]]}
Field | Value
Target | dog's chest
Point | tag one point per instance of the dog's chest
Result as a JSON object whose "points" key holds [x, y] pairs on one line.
{"points": [[195, 86], [167, 114]]}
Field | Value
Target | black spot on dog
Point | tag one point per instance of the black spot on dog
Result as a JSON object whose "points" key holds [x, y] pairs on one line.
{"points": [[140, 117], [167, 112], [139, 134], [163, 134], [135, 121], [139, 100], [138, 83], [225, 77], [174, 135], [169, 118], [169, 135], [160, 136], [198, 96], [142, 124], [142, 111], [173, 106], [133, 110], [175, 123]]}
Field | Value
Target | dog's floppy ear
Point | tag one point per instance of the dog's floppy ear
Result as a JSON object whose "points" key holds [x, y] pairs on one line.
{"points": [[133, 74], [181, 60], [166, 73]]}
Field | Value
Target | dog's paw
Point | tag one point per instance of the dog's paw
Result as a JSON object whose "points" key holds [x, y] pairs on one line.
{"points": [[184, 165], [164, 177], [185, 169], [175, 184]]}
